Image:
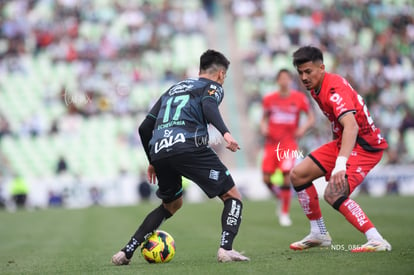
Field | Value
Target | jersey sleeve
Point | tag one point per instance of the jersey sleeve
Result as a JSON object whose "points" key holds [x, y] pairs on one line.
{"points": [[147, 126], [213, 116], [340, 98], [212, 97], [213, 91], [153, 113]]}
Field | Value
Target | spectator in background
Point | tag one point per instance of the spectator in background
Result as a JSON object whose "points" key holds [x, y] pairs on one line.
{"points": [[55, 199], [61, 166], [19, 191], [4, 126], [144, 188], [408, 120], [95, 194], [2, 199], [407, 124], [210, 7]]}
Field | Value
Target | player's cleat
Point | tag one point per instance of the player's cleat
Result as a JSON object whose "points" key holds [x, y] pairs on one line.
{"points": [[230, 256], [312, 240], [284, 220], [120, 259], [373, 246]]}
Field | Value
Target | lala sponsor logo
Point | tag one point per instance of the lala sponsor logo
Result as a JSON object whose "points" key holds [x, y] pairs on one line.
{"points": [[168, 141]]}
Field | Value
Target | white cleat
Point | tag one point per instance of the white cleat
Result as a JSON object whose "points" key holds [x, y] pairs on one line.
{"points": [[230, 256], [120, 259], [312, 240], [284, 220], [373, 246]]}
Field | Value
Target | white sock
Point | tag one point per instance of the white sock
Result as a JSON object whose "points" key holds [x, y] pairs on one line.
{"points": [[318, 226], [373, 234]]}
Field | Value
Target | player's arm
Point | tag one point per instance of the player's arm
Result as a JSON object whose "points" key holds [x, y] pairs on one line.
{"points": [[147, 126], [264, 128], [212, 114], [145, 132], [349, 136], [310, 121]]}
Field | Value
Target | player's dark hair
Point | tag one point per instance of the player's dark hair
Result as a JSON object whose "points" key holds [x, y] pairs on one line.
{"points": [[306, 54], [211, 58], [281, 71]]}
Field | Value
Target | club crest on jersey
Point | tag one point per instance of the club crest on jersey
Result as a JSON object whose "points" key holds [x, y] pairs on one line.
{"points": [[211, 92], [168, 141], [338, 100]]}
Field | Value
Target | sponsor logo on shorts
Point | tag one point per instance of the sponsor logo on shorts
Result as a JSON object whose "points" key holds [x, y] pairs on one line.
{"points": [[214, 175]]}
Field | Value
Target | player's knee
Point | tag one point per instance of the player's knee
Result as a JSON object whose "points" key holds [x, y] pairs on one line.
{"points": [[330, 197], [295, 177], [233, 193], [174, 206], [266, 179], [286, 179]]}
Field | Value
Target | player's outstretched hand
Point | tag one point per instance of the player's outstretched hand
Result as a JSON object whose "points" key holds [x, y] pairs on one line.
{"points": [[152, 177], [232, 144]]}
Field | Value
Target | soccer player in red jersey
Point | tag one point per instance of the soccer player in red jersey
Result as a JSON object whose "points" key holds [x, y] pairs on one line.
{"points": [[356, 148], [280, 127]]}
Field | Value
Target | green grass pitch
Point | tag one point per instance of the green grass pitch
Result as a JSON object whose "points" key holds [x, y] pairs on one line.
{"points": [[82, 241]]}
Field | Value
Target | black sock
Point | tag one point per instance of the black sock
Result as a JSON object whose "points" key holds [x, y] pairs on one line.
{"points": [[147, 227], [230, 222]]}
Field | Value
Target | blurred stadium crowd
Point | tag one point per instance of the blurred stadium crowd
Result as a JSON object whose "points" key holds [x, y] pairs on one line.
{"points": [[77, 76]]}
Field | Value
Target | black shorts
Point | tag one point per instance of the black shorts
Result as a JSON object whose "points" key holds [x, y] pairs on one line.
{"points": [[202, 167]]}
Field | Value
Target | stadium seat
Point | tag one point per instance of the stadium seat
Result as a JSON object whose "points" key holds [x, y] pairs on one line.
{"points": [[365, 39], [244, 32], [409, 141], [409, 94], [282, 61]]}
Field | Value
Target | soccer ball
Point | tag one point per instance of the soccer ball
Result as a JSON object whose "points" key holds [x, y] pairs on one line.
{"points": [[158, 248]]}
